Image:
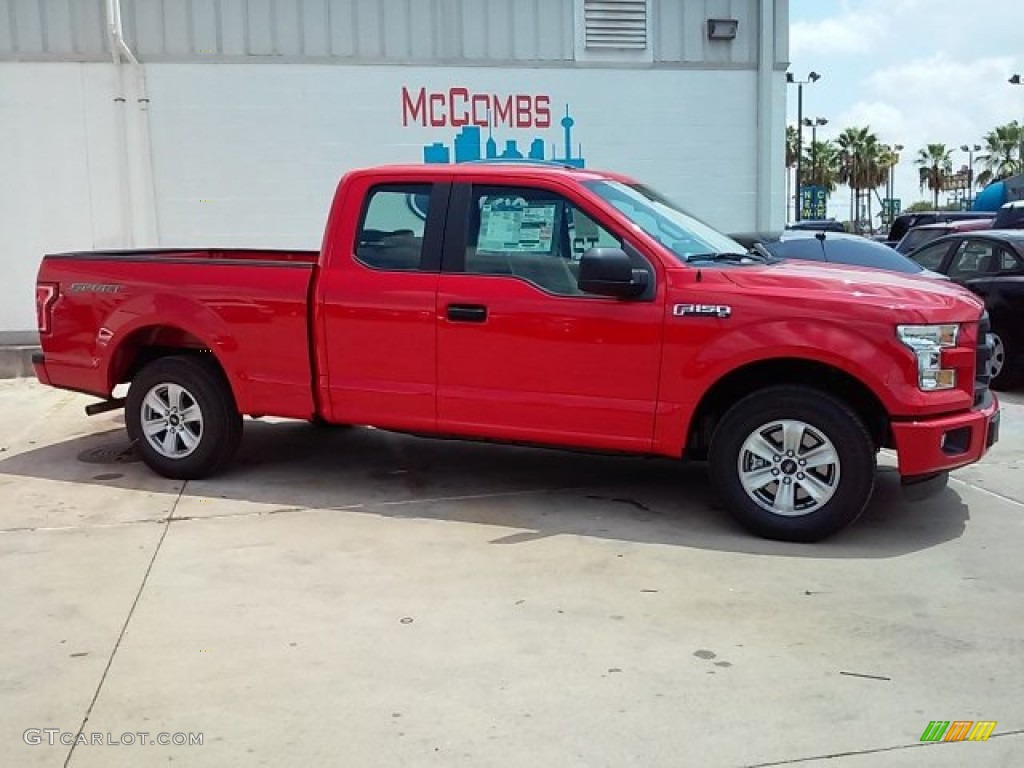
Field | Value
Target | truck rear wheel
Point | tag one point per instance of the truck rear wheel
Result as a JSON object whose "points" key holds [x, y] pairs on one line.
{"points": [[182, 418], [792, 463]]}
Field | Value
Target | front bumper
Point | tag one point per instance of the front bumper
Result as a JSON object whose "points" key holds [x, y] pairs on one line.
{"points": [[940, 444]]}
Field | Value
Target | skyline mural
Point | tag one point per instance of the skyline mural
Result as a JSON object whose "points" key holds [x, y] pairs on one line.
{"points": [[469, 147]]}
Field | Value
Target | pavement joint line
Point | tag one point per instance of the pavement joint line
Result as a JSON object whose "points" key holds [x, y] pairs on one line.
{"points": [[982, 489], [84, 527], [876, 750], [124, 626]]}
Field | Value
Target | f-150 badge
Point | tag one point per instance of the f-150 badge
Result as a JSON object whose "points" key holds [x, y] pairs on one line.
{"points": [[702, 310]]}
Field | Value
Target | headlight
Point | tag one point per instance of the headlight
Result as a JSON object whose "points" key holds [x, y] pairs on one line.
{"points": [[927, 343]]}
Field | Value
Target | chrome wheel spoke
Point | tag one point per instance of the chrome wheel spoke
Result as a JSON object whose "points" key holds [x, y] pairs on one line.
{"points": [[760, 447], [815, 488], [757, 479], [155, 405], [153, 428], [792, 436], [821, 456], [169, 443], [785, 499], [191, 415], [188, 439]]}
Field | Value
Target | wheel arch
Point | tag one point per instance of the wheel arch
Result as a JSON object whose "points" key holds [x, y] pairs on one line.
{"points": [[761, 374], [146, 343]]}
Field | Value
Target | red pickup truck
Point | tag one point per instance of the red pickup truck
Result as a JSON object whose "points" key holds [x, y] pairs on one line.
{"points": [[541, 305]]}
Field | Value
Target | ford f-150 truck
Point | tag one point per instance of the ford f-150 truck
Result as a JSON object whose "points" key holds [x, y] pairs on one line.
{"points": [[541, 305]]}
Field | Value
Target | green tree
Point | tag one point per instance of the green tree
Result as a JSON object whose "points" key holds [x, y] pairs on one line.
{"points": [[935, 166], [792, 139], [1001, 157], [861, 166], [821, 165]]}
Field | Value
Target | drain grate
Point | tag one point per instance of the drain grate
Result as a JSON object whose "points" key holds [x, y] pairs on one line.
{"points": [[118, 453]]}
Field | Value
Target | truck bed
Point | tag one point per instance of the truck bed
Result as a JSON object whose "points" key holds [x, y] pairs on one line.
{"points": [[249, 308]]}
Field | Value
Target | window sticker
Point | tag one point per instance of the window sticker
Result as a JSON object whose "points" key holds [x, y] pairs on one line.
{"points": [[517, 226]]}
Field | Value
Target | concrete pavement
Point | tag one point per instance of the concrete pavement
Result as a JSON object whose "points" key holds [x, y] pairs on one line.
{"points": [[355, 597]]}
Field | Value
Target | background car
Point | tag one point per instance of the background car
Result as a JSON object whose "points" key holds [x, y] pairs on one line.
{"points": [[918, 236], [906, 221], [834, 248], [1010, 216], [991, 264]]}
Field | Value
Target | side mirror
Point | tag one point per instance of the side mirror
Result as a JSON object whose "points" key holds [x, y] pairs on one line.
{"points": [[609, 272]]}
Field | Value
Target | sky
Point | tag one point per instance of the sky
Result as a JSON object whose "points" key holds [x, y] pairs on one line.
{"points": [[915, 71]]}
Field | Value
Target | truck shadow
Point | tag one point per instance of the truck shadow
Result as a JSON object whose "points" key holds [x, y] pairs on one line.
{"points": [[288, 466]]}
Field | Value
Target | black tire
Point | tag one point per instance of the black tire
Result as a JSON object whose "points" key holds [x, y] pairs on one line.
{"points": [[215, 441], [850, 479], [1011, 376]]}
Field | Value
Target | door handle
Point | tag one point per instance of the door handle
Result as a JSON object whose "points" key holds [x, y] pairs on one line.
{"points": [[467, 313]]}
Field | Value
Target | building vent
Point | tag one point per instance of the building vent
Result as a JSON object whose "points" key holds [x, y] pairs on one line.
{"points": [[618, 24]]}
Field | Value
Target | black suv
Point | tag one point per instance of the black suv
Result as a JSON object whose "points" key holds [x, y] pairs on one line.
{"points": [[906, 221]]}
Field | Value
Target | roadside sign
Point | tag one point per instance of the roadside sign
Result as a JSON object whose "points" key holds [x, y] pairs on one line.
{"points": [[813, 202], [891, 206]]}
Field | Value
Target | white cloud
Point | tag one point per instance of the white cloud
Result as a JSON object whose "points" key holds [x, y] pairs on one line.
{"points": [[846, 34]]}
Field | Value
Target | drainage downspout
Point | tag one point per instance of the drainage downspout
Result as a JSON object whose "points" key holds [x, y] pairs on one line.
{"points": [[765, 194], [138, 203]]}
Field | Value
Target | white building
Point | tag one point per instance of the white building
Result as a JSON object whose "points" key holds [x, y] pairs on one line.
{"points": [[240, 115]]}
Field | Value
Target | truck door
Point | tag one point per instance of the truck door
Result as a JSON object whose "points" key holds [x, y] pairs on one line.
{"points": [[376, 316], [523, 353]]}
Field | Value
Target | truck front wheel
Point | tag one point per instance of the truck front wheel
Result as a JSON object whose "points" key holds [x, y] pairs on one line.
{"points": [[182, 418], [792, 463]]}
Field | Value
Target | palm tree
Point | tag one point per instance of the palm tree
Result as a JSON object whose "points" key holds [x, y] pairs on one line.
{"points": [[792, 139], [859, 165], [821, 165], [1002, 153], [936, 166]]}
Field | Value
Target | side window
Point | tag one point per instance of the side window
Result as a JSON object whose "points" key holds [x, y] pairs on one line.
{"points": [[390, 234], [532, 234], [972, 258], [931, 256], [1009, 262]]}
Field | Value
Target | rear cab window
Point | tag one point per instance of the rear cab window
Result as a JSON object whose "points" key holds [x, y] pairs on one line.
{"points": [[391, 230]]}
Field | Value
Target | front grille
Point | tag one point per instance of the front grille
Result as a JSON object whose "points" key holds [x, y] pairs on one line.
{"points": [[981, 371]]}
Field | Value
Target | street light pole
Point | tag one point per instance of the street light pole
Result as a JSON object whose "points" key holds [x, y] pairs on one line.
{"points": [[812, 77], [1015, 79], [970, 149]]}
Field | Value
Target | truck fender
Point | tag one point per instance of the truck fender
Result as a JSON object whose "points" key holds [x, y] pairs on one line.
{"points": [[168, 310]]}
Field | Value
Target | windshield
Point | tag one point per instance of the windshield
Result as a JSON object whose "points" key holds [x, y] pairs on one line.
{"points": [[681, 233], [915, 238]]}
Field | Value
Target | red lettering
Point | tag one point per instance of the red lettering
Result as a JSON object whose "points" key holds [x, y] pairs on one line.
{"points": [[437, 100], [458, 119], [416, 110], [503, 112], [524, 117], [543, 111], [481, 110]]}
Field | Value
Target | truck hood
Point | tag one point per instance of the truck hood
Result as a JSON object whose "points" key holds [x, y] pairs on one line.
{"points": [[938, 300]]}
